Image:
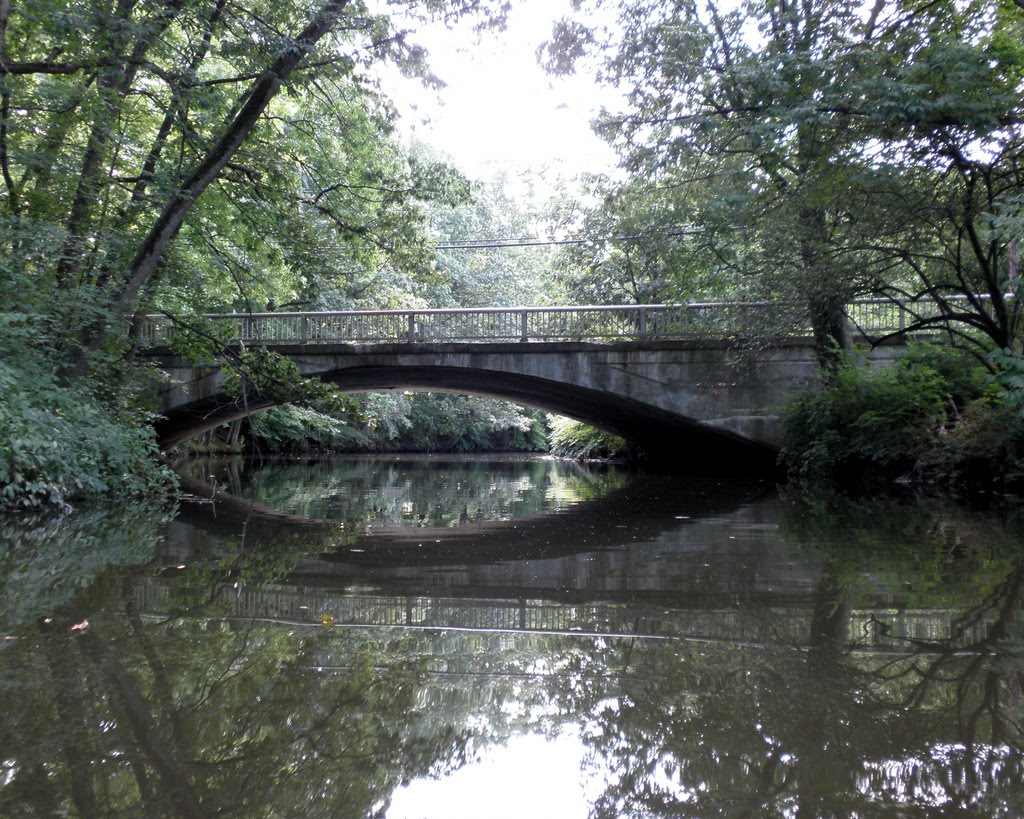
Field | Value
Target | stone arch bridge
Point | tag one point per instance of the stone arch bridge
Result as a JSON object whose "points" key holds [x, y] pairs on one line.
{"points": [[684, 381]]}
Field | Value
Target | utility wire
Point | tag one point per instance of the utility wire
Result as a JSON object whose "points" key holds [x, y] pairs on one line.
{"points": [[523, 243], [486, 244]]}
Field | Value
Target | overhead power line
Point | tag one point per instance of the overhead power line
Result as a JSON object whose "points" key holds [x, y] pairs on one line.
{"points": [[487, 244], [471, 245]]}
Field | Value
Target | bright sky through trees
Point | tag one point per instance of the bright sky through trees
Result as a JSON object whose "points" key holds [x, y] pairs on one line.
{"points": [[499, 108], [492, 786]]}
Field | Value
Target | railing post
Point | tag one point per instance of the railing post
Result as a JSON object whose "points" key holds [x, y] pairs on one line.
{"points": [[412, 328], [902, 315], [304, 330], [643, 322], [524, 329]]}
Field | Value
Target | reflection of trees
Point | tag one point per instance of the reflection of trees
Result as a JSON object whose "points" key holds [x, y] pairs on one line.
{"points": [[921, 546], [196, 716], [201, 711], [109, 712], [985, 672], [44, 560], [416, 491], [703, 730]]}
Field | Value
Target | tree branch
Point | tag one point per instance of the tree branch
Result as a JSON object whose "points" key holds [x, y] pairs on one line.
{"points": [[262, 92]]}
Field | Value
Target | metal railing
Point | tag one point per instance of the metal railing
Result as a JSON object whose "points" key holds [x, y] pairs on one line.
{"points": [[695, 321]]}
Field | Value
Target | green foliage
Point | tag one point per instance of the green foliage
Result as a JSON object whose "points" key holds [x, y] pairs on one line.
{"points": [[964, 379], [150, 162], [1010, 375], [835, 153], [935, 415], [59, 443], [201, 340], [414, 422], [574, 439], [299, 427], [481, 276], [864, 420], [443, 422], [985, 449], [257, 372], [640, 248]]}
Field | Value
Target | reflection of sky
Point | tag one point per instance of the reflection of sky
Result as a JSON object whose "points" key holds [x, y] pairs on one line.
{"points": [[532, 776], [392, 491]]}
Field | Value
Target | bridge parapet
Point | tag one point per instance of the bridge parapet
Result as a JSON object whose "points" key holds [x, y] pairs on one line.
{"points": [[772, 622], [645, 322]]}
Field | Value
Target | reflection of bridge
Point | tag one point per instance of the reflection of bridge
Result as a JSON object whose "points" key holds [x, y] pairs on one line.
{"points": [[875, 629], [655, 374], [606, 522], [672, 570]]}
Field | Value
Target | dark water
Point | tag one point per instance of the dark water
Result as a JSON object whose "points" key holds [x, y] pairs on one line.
{"points": [[435, 637]]}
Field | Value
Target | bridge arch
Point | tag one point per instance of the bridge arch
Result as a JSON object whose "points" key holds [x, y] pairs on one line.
{"points": [[683, 402], [676, 379], [652, 429]]}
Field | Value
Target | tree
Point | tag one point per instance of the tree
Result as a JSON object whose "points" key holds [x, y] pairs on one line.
{"points": [[802, 127], [124, 124], [484, 254], [636, 246], [956, 271]]}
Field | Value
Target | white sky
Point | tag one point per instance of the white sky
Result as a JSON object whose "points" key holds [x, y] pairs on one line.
{"points": [[532, 776], [500, 109]]}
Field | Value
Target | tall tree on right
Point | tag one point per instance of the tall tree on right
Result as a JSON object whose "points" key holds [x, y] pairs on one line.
{"points": [[836, 149]]}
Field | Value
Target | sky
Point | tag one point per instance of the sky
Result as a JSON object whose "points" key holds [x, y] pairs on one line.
{"points": [[500, 108]]}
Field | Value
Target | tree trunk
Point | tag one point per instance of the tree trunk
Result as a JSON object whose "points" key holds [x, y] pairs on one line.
{"points": [[152, 248], [831, 330], [825, 301], [113, 86], [139, 718]]}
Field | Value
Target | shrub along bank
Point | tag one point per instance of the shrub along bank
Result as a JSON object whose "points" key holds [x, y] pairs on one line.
{"points": [[579, 441], [936, 416], [58, 444], [414, 422], [423, 422]]}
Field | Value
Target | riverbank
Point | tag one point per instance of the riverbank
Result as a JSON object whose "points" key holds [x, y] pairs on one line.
{"points": [[60, 444], [934, 418]]}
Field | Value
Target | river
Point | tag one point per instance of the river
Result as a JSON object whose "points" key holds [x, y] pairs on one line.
{"points": [[448, 637]]}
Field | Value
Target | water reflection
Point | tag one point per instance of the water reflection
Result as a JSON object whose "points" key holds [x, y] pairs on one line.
{"points": [[377, 491], [697, 650]]}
